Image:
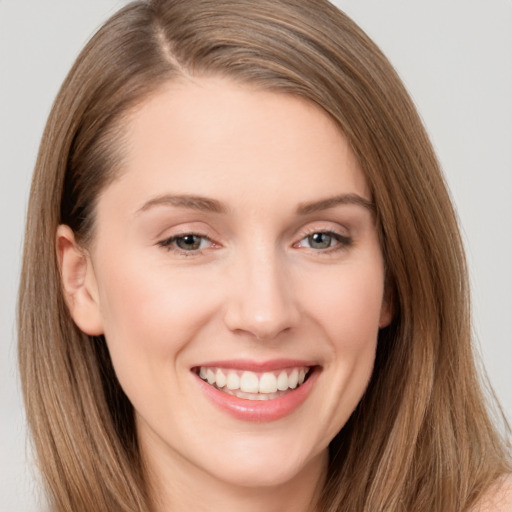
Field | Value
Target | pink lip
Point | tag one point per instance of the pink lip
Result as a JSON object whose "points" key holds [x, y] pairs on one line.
{"points": [[258, 366], [259, 410]]}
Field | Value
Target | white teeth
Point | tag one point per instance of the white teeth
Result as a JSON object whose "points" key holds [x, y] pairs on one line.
{"points": [[293, 379], [253, 386], [249, 382], [282, 381], [210, 376], [254, 396], [220, 379], [233, 381], [268, 383]]}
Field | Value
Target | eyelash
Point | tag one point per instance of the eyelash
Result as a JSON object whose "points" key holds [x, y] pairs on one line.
{"points": [[170, 243], [342, 242]]}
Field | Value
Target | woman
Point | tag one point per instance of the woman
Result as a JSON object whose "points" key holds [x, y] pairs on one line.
{"points": [[242, 272]]}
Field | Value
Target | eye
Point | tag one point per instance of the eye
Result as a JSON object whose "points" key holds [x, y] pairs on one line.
{"points": [[189, 242], [322, 240]]}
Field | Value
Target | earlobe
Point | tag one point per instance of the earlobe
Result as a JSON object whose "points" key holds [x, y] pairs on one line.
{"points": [[386, 314], [78, 283], [387, 309]]}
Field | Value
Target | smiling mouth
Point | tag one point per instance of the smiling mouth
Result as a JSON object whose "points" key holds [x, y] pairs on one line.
{"points": [[251, 385]]}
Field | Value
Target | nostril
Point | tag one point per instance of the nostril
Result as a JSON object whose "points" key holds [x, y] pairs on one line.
{"points": [[244, 321]]}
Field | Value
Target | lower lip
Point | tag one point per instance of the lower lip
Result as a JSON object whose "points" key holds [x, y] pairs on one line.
{"points": [[260, 410]]}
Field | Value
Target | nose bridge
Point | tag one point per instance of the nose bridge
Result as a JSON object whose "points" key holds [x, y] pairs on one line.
{"points": [[262, 302]]}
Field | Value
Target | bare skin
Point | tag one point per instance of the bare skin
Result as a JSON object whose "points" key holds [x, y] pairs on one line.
{"points": [[240, 228]]}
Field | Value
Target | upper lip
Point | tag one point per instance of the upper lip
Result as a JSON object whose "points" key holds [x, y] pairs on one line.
{"points": [[257, 366]]}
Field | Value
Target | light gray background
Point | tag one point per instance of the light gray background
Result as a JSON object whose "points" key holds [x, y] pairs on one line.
{"points": [[456, 59]]}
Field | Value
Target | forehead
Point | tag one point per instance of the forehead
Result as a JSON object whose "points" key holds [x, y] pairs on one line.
{"points": [[217, 138]]}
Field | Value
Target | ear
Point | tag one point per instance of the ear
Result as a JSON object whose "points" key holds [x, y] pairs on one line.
{"points": [[386, 313], [78, 283], [387, 309]]}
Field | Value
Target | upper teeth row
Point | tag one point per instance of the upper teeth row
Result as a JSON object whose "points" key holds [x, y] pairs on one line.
{"points": [[250, 382]]}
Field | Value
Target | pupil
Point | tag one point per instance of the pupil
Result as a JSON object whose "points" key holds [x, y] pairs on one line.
{"points": [[188, 242], [320, 240]]}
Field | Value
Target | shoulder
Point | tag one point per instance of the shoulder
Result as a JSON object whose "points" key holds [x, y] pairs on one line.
{"points": [[498, 498]]}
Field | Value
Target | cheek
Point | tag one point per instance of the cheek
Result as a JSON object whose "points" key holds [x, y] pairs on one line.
{"points": [[347, 310], [150, 314], [347, 304]]}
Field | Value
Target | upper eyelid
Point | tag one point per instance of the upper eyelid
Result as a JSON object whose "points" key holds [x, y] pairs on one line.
{"points": [[165, 228], [178, 231], [307, 231]]}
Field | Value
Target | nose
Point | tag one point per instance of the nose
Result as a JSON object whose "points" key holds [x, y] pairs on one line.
{"points": [[261, 299]]}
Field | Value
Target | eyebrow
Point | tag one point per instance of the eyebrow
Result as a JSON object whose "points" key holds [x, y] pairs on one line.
{"points": [[200, 203], [331, 202], [206, 204]]}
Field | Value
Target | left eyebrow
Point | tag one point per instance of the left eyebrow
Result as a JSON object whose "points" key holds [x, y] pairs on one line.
{"points": [[331, 202]]}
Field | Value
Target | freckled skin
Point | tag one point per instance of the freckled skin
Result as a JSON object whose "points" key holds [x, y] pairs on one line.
{"points": [[256, 289]]}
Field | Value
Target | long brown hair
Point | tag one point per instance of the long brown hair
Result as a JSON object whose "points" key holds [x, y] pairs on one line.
{"points": [[421, 438]]}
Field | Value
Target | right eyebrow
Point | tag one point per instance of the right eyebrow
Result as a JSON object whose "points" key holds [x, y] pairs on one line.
{"points": [[331, 202], [200, 203]]}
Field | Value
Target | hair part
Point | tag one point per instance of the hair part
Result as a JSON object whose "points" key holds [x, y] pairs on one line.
{"points": [[422, 424]]}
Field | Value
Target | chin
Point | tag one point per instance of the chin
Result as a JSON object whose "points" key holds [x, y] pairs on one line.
{"points": [[265, 468]]}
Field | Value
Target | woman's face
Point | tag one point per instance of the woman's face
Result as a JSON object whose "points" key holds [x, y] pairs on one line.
{"points": [[235, 257]]}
